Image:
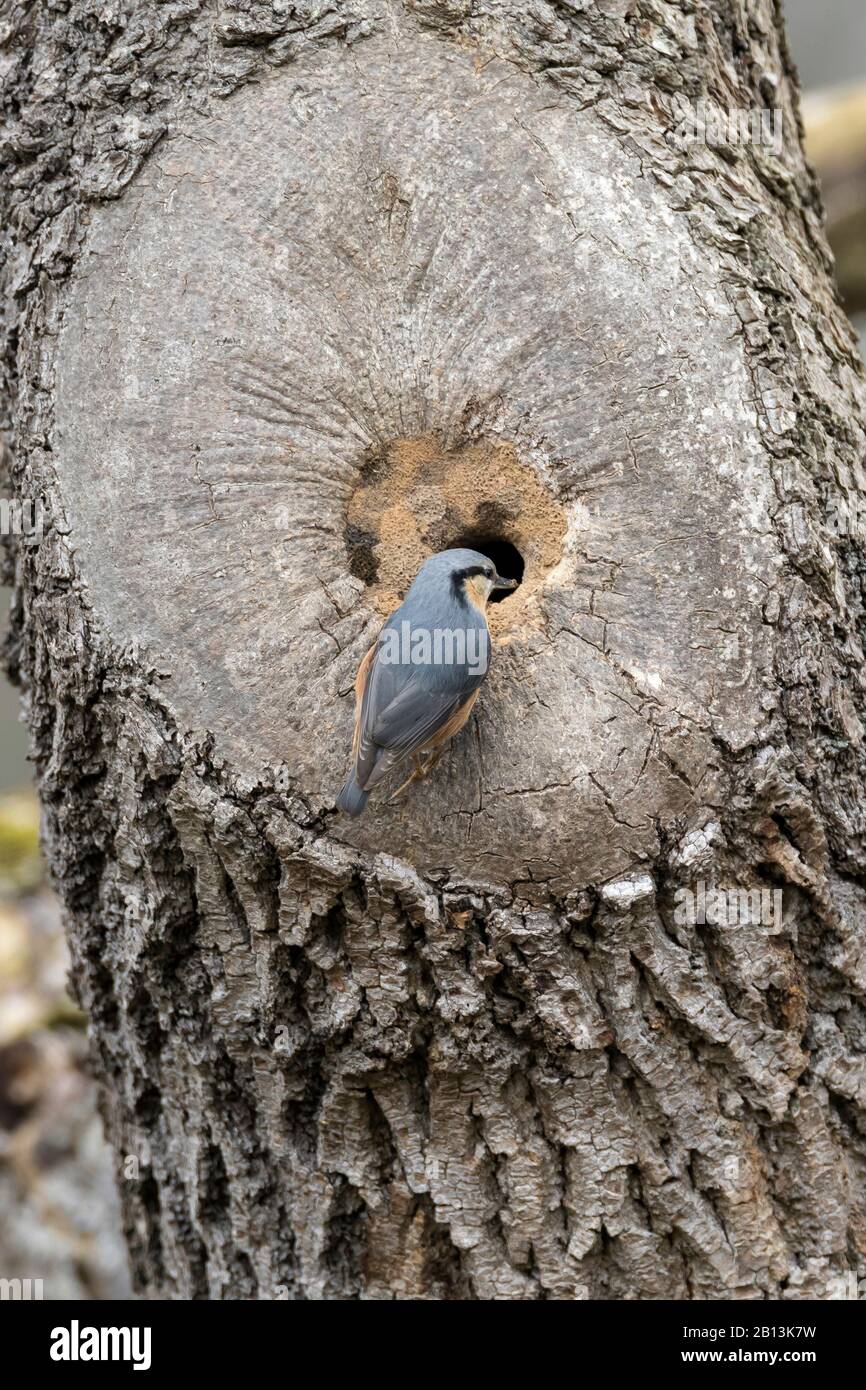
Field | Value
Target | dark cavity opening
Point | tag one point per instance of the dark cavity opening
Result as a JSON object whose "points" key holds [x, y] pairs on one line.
{"points": [[505, 556]]}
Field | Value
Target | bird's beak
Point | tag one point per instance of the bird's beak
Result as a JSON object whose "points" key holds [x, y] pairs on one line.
{"points": [[500, 583]]}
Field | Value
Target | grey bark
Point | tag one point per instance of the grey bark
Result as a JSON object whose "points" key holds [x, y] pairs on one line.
{"points": [[293, 294]]}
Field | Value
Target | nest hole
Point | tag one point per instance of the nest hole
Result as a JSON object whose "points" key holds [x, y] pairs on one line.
{"points": [[415, 497], [504, 554]]}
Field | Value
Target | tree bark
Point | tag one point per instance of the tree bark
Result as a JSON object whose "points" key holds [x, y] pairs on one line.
{"points": [[295, 295]]}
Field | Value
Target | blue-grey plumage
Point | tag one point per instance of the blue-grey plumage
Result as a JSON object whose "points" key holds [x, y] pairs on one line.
{"points": [[416, 687]]}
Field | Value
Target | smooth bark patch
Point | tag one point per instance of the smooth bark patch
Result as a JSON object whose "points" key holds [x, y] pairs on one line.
{"points": [[398, 243]]}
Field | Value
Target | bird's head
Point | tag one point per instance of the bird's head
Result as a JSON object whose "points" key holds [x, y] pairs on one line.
{"points": [[470, 576]]}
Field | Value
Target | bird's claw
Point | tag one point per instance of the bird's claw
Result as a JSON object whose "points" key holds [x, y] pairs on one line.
{"points": [[419, 772], [416, 774]]}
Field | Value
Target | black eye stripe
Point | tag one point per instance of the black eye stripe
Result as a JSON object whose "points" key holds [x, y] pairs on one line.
{"points": [[459, 577]]}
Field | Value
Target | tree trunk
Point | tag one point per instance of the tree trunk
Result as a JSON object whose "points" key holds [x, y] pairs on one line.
{"points": [[296, 295]]}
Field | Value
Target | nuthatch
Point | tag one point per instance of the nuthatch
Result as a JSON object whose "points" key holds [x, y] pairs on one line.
{"points": [[416, 686]]}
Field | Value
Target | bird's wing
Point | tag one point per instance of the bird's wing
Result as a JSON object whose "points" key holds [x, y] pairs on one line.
{"points": [[361, 682], [369, 678], [408, 723], [414, 716], [378, 684], [399, 714]]}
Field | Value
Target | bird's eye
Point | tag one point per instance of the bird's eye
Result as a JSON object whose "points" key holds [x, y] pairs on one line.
{"points": [[489, 573]]}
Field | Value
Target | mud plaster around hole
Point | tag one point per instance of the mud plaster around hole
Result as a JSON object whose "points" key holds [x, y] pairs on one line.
{"points": [[417, 497]]}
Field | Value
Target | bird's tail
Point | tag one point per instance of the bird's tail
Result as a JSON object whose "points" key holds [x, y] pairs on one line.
{"points": [[351, 798]]}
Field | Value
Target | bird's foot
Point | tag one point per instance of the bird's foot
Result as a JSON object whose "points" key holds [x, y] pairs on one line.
{"points": [[415, 776], [419, 773]]}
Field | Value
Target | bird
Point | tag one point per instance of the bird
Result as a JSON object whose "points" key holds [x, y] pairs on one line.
{"points": [[416, 686]]}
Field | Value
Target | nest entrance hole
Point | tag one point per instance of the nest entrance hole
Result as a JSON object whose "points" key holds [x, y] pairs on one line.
{"points": [[504, 554]]}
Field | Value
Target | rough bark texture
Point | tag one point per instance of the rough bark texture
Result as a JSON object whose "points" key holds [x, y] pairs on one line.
{"points": [[260, 259]]}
